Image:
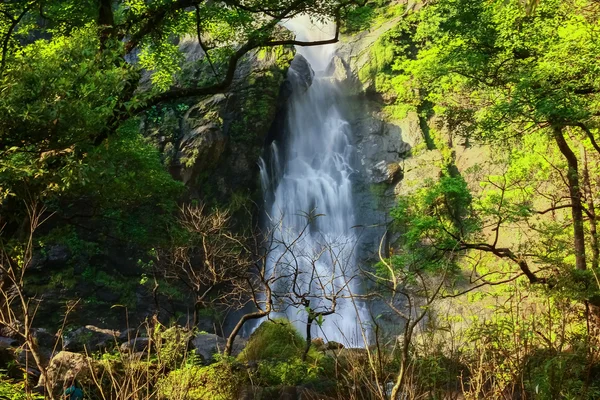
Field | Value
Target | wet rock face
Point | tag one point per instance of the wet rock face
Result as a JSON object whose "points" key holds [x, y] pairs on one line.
{"points": [[213, 143], [301, 73], [380, 149]]}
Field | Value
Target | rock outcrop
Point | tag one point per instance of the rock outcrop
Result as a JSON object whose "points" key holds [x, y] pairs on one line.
{"points": [[90, 338], [214, 145], [207, 345]]}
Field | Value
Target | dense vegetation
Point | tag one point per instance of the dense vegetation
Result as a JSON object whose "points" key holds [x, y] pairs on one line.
{"points": [[491, 282]]}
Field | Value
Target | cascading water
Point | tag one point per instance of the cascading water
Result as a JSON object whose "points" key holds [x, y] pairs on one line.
{"points": [[307, 184]]}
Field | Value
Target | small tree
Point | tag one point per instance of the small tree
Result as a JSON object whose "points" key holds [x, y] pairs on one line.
{"points": [[17, 308]]}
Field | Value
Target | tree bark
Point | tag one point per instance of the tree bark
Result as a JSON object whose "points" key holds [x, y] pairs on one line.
{"points": [[308, 336], [238, 327], [587, 189], [106, 21], [575, 194]]}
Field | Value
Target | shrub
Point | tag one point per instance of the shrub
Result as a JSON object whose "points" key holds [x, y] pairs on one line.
{"points": [[10, 390]]}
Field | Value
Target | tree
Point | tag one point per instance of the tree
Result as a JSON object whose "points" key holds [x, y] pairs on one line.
{"points": [[71, 75], [272, 270], [497, 73], [517, 70]]}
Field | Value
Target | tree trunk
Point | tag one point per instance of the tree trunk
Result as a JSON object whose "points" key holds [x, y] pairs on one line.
{"points": [[106, 21], [575, 194], [587, 189], [401, 377], [238, 327], [308, 336]]}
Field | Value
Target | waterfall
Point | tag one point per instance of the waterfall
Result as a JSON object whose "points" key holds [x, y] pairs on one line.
{"points": [[310, 212]]}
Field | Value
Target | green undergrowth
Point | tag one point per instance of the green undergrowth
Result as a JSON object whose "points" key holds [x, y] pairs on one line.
{"points": [[370, 16]]}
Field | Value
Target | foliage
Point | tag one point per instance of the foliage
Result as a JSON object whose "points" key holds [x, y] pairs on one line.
{"points": [[10, 390], [438, 212]]}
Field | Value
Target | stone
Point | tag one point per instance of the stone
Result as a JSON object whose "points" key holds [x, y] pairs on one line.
{"points": [[319, 344], [208, 344], [66, 367], [58, 254], [136, 345], [54, 256], [126, 335], [333, 345], [301, 72], [43, 338], [89, 338], [6, 343]]}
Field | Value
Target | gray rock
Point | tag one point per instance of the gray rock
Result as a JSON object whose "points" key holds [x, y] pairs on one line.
{"points": [[89, 338], [332, 345], [64, 368], [11, 331], [6, 343], [300, 72], [126, 335], [208, 344], [380, 149], [215, 145], [58, 254], [356, 48], [43, 338], [136, 345], [53, 256]]}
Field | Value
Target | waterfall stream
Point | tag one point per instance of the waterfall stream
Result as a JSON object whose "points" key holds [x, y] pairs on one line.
{"points": [[309, 206]]}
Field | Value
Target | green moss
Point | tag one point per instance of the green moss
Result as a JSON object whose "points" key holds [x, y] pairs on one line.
{"points": [[120, 285], [274, 340], [63, 279], [370, 16], [218, 381], [172, 344]]}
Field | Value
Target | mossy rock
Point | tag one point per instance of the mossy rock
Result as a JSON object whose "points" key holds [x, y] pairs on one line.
{"points": [[219, 381], [273, 340]]}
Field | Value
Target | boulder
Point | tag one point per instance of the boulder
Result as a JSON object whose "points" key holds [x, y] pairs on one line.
{"points": [[11, 330], [301, 73], [332, 345], [52, 256], [136, 345], [319, 344], [43, 338], [58, 254], [208, 344], [126, 335], [90, 338], [6, 343], [66, 367], [347, 358], [214, 145]]}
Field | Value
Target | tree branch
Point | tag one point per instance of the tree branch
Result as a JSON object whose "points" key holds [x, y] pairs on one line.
{"points": [[11, 28], [590, 135]]}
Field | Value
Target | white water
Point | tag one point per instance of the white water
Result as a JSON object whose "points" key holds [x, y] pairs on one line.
{"points": [[310, 173]]}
